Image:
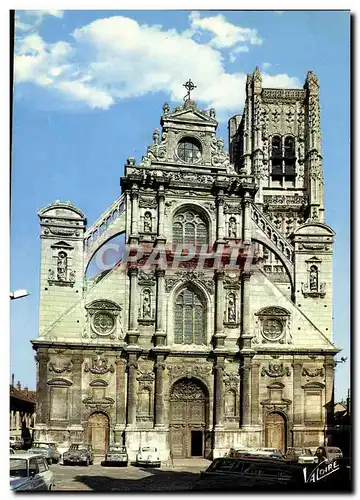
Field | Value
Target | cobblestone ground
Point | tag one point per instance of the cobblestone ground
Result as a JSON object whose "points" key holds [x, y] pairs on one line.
{"points": [[131, 478]]}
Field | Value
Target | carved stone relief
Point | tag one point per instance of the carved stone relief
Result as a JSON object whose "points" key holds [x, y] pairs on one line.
{"points": [[275, 370], [99, 365]]}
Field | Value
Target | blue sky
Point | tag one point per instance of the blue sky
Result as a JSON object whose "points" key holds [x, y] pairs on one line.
{"points": [[89, 91]]}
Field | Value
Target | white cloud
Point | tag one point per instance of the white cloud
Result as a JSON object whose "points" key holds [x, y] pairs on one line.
{"points": [[226, 35], [26, 20], [117, 58]]}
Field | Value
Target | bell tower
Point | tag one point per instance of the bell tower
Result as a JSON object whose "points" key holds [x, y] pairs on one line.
{"points": [[278, 141]]}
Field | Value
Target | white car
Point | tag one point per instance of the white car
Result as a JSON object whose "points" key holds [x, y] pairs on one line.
{"points": [[29, 472], [148, 455]]}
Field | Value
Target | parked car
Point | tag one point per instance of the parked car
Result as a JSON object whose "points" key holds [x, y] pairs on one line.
{"points": [[328, 452], [16, 442], [116, 455], [30, 472], [249, 472], [301, 455], [48, 449], [79, 453], [148, 455]]}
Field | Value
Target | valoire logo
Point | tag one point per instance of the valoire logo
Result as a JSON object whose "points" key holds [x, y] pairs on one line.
{"points": [[322, 470]]}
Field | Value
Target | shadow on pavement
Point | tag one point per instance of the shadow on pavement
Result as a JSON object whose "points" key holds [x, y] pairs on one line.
{"points": [[159, 480]]}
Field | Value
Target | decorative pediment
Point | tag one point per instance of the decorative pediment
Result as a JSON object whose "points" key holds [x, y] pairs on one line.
{"points": [[104, 304], [314, 260], [59, 382], [313, 385], [62, 244], [98, 383], [276, 385], [273, 311]]}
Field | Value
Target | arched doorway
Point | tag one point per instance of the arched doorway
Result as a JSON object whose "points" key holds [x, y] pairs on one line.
{"points": [[189, 404], [98, 432], [275, 431]]}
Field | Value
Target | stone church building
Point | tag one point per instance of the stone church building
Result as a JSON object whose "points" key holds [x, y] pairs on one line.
{"points": [[220, 337]]}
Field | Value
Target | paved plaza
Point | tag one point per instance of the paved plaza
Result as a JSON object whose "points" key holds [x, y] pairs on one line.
{"points": [[178, 477]]}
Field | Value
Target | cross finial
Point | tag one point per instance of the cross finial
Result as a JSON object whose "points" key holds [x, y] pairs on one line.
{"points": [[189, 85]]}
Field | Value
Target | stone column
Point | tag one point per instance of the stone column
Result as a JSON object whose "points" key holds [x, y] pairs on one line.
{"points": [[298, 413], [160, 333], [245, 316], [133, 313], [246, 391], [161, 213], [42, 406], [77, 361], [220, 216], [17, 421], [219, 329], [247, 220], [131, 390], [219, 391], [134, 210], [120, 408], [159, 390], [255, 393]]}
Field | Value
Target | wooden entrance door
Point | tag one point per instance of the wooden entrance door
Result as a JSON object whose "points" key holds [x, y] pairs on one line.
{"points": [[188, 412], [98, 432], [275, 432]]}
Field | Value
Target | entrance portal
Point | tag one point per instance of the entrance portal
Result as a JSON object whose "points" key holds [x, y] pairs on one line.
{"points": [[188, 418], [275, 432], [98, 432], [197, 444]]}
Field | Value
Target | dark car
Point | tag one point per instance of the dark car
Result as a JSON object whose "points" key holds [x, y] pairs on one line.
{"points": [[79, 453], [116, 455], [249, 472]]}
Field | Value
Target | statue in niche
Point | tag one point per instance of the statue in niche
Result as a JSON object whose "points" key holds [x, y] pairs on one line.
{"points": [[232, 227], [313, 279], [147, 223], [62, 266], [231, 308], [146, 304]]}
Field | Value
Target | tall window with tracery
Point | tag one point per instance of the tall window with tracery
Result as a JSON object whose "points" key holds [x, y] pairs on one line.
{"points": [[190, 228], [189, 318]]}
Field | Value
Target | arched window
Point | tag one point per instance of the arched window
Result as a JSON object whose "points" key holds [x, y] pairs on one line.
{"points": [[190, 228], [276, 147], [289, 147], [189, 318]]}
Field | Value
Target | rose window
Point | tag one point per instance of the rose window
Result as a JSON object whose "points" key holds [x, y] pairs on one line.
{"points": [[103, 323], [272, 329]]}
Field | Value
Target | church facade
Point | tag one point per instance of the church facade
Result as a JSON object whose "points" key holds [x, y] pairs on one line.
{"points": [[214, 330]]}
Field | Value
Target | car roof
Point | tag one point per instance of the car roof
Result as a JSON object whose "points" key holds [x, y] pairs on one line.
{"points": [[261, 460], [26, 456], [44, 442]]}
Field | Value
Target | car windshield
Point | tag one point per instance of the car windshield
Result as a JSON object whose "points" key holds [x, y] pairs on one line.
{"points": [[78, 447], [306, 452], [40, 445], [121, 449], [18, 467], [148, 448]]}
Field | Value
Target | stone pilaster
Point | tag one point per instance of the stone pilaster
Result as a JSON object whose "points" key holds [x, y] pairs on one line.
{"points": [[160, 334], [298, 413], [245, 316], [134, 210], [133, 332], [247, 220], [161, 213], [42, 406], [131, 390], [219, 330], [246, 392], [329, 390], [219, 391], [220, 216], [77, 361], [255, 403], [120, 399], [159, 390]]}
